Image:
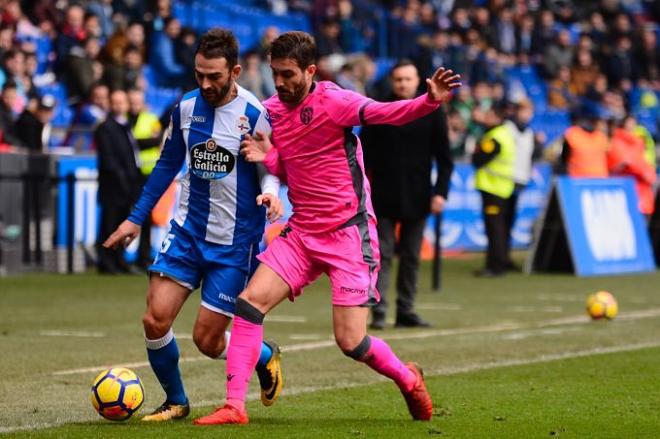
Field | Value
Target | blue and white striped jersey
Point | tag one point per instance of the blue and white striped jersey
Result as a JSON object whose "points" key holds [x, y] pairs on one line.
{"points": [[219, 188]]}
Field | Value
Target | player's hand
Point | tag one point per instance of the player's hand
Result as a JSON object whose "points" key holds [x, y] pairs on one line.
{"points": [[255, 148], [275, 208], [437, 204], [123, 236], [440, 86]]}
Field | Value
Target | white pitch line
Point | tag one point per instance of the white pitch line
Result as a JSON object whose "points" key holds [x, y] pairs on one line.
{"points": [[439, 306], [442, 371], [500, 327], [305, 337], [286, 319], [56, 333]]}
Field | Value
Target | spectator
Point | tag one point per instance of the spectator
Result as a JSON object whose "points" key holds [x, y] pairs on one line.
{"points": [[560, 94], [185, 47], [399, 160], [7, 115], [13, 65], [103, 11], [544, 33], [33, 125], [583, 73], [83, 69], [119, 179], [133, 68], [559, 54], [525, 37], [71, 35], [251, 78], [506, 32], [328, 39], [648, 56], [621, 65], [135, 36], [92, 27], [163, 57], [88, 116], [457, 133]]}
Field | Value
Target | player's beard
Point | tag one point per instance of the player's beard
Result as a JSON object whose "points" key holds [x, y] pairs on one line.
{"points": [[295, 95], [215, 96]]}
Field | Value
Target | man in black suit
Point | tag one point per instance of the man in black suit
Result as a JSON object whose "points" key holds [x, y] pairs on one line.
{"points": [[119, 178], [399, 162]]}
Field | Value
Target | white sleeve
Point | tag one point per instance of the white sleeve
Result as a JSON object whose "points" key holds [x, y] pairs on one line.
{"points": [[269, 183], [263, 123]]}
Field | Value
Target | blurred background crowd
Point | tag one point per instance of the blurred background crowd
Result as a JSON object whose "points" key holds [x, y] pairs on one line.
{"points": [[61, 59]]}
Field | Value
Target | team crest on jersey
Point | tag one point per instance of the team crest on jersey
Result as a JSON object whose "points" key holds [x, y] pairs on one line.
{"points": [[211, 145], [306, 115], [243, 124], [210, 161]]}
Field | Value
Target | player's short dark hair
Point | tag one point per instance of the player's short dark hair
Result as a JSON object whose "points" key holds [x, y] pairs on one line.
{"points": [[404, 62], [219, 43], [297, 45]]}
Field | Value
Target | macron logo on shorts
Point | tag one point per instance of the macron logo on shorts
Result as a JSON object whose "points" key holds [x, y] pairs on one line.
{"points": [[357, 291], [226, 298]]}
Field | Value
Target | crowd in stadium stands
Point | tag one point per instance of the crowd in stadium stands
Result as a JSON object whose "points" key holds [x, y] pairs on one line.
{"points": [[567, 58]]}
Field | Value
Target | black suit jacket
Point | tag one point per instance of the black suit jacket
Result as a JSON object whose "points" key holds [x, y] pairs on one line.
{"points": [[119, 176], [399, 160]]}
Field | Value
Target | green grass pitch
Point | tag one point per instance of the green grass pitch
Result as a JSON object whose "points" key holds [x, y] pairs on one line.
{"points": [[512, 357]]}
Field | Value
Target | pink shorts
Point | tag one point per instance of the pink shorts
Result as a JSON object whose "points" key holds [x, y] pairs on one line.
{"points": [[349, 256]]}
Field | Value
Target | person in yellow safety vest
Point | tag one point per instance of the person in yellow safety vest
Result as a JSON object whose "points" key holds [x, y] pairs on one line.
{"points": [[649, 144], [147, 131], [584, 152], [494, 160]]}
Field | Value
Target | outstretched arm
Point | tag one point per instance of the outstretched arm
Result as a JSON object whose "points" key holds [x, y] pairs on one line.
{"points": [[348, 108]]}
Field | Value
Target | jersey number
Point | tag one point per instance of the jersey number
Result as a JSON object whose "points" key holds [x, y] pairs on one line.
{"points": [[167, 242]]}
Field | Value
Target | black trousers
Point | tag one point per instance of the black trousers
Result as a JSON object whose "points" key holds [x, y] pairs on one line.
{"points": [[109, 260], [512, 204], [144, 250], [496, 220], [410, 244]]}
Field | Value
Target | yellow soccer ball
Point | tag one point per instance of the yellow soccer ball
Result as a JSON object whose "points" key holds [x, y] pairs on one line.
{"points": [[117, 394], [602, 305]]}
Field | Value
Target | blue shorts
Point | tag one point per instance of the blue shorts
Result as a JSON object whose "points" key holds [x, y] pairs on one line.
{"points": [[222, 270]]}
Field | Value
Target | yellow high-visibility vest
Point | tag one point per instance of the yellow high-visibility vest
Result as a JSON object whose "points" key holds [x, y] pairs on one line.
{"points": [[146, 127], [496, 176]]}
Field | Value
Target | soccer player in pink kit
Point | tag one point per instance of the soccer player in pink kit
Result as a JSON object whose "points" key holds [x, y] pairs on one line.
{"points": [[332, 229]]}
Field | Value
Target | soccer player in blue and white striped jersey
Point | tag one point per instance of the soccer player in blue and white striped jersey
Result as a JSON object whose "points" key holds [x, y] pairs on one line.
{"points": [[213, 238]]}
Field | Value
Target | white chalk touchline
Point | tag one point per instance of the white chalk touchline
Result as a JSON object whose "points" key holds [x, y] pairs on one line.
{"points": [[500, 327], [55, 333], [286, 319], [441, 371]]}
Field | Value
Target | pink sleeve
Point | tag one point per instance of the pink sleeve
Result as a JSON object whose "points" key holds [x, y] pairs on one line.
{"points": [[274, 165], [343, 106], [397, 112], [347, 108]]}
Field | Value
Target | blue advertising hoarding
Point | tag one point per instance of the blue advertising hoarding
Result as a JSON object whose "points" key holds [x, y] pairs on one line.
{"points": [[462, 222], [606, 232], [462, 227]]}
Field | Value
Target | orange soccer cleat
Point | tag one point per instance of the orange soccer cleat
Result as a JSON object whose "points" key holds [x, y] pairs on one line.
{"points": [[418, 399], [228, 414]]}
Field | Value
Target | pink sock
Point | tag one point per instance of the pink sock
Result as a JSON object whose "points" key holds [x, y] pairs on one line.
{"points": [[242, 357], [381, 359]]}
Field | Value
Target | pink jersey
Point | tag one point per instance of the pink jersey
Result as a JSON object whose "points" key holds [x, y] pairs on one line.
{"points": [[318, 156]]}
